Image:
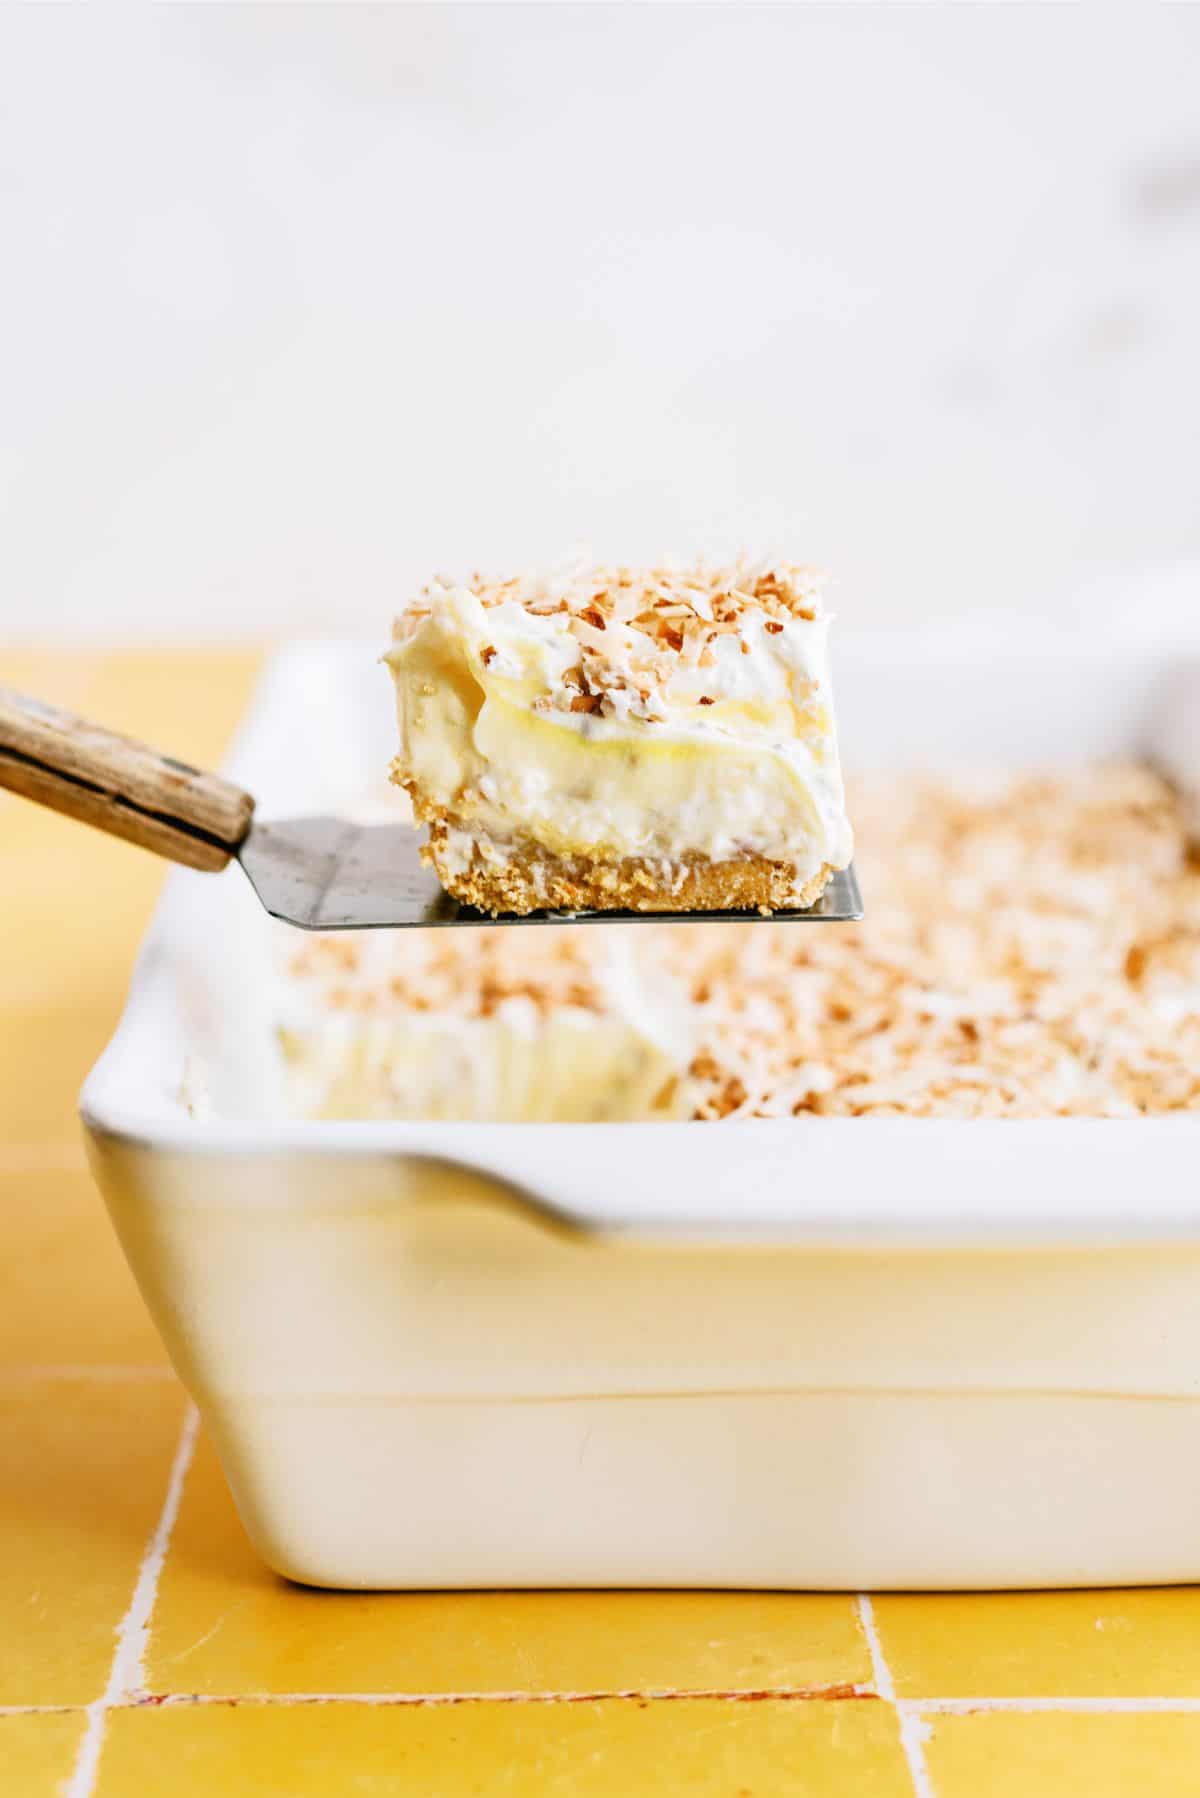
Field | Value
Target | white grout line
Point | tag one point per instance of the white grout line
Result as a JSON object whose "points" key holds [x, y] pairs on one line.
{"points": [[913, 1730], [127, 1675], [38, 1710], [962, 1707], [906, 1707], [638, 1694]]}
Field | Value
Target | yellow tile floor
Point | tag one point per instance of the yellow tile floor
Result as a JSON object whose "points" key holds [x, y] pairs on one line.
{"points": [[145, 1649]]}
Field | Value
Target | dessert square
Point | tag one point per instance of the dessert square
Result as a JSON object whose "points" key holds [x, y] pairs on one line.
{"points": [[605, 738]]}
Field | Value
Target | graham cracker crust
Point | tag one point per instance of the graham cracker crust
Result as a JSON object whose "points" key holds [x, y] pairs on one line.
{"points": [[535, 880]]}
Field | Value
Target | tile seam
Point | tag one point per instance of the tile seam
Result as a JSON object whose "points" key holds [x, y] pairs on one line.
{"points": [[910, 1723], [126, 1676], [42, 1710], [1073, 1704], [833, 1694], [1112, 1703]]}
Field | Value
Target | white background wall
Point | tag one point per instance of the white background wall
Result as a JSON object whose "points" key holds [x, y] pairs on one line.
{"points": [[298, 305]]}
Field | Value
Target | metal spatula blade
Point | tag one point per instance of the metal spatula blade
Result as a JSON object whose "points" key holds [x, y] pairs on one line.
{"points": [[319, 873], [329, 874]]}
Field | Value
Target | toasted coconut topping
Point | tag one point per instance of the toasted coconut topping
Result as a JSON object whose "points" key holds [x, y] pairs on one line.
{"points": [[1031, 949], [636, 627], [470, 974]]}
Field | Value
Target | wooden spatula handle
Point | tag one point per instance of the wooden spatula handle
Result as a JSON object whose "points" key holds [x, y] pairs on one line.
{"points": [[119, 785]]}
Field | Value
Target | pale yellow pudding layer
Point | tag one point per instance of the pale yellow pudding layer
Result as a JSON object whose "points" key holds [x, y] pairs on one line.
{"points": [[565, 1069], [532, 733], [385, 1026]]}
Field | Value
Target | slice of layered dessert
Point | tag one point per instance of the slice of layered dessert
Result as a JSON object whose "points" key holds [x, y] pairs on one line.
{"points": [[655, 739]]}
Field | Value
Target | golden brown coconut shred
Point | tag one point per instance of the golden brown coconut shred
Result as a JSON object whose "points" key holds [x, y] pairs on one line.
{"points": [[636, 626], [1031, 949], [466, 973]]}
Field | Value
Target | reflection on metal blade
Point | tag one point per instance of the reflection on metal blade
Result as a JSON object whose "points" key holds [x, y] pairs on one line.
{"points": [[328, 874]]}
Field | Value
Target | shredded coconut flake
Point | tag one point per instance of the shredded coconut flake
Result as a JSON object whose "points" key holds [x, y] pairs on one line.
{"points": [[469, 973], [635, 626], [1031, 949]]}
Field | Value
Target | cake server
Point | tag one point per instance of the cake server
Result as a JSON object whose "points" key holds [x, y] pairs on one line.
{"points": [[319, 873]]}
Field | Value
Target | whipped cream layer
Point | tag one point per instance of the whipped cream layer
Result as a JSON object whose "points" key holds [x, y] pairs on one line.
{"points": [[612, 715]]}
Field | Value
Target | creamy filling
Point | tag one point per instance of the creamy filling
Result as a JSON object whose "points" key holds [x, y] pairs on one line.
{"points": [[574, 1067], [362, 1034], [751, 771], [1032, 950]]}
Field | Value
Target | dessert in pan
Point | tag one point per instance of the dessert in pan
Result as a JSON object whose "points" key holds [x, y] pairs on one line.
{"points": [[381, 1320], [608, 738], [1033, 950]]}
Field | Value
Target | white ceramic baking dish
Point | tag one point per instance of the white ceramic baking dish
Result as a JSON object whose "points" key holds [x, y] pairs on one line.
{"points": [[822, 1353]]}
